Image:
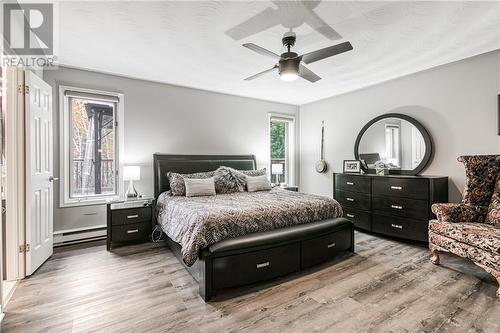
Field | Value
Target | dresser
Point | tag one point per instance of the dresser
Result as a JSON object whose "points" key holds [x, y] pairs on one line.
{"points": [[394, 205]]}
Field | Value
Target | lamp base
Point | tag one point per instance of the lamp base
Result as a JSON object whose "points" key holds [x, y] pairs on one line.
{"points": [[131, 191]]}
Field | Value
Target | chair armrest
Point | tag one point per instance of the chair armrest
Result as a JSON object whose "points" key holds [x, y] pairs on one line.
{"points": [[451, 212]]}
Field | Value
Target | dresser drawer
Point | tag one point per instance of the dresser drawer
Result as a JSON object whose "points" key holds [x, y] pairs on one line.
{"points": [[352, 183], [361, 219], [317, 250], [414, 188], [400, 227], [256, 266], [410, 208], [353, 199], [130, 232], [131, 215]]}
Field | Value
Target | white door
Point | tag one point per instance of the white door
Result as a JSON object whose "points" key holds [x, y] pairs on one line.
{"points": [[39, 172]]}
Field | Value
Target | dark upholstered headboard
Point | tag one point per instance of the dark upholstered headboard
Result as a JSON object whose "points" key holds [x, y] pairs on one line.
{"points": [[163, 163]]}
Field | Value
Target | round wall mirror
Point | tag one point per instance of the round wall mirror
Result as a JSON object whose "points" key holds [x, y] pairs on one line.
{"points": [[395, 142]]}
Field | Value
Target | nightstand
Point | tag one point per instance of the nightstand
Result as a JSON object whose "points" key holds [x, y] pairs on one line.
{"points": [[129, 221], [291, 188]]}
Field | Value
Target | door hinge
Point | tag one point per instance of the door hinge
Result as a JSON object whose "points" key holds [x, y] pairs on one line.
{"points": [[24, 248], [23, 89]]}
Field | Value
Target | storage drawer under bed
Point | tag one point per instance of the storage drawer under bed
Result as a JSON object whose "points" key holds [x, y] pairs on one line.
{"points": [[260, 265], [323, 248]]}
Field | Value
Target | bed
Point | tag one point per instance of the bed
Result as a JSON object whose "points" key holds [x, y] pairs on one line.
{"points": [[231, 240]]}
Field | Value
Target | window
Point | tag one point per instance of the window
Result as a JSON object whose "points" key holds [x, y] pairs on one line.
{"points": [[282, 149], [90, 145], [392, 144]]}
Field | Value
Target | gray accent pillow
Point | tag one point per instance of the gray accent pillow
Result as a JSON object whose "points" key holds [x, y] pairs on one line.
{"points": [[176, 180], [199, 187], [258, 183], [229, 180]]}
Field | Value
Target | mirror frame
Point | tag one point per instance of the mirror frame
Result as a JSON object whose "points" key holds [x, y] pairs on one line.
{"points": [[429, 148]]}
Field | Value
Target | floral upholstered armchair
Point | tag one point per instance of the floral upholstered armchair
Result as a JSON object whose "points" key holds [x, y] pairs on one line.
{"points": [[471, 229]]}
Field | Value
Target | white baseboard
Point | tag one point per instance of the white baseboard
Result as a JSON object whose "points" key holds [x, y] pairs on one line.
{"points": [[73, 236]]}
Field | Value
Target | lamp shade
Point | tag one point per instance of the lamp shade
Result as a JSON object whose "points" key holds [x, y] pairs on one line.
{"points": [[131, 172], [277, 169]]}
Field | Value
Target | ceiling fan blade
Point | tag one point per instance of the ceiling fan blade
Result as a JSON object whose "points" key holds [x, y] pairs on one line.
{"points": [[260, 22], [326, 52], [315, 22], [307, 74], [261, 73], [261, 50]]}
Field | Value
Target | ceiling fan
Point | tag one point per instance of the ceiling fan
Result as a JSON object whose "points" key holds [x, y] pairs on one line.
{"points": [[290, 65]]}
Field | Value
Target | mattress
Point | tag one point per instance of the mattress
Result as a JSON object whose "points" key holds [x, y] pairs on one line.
{"points": [[198, 222]]}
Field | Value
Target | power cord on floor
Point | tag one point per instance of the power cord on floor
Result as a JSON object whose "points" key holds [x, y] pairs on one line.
{"points": [[157, 234]]}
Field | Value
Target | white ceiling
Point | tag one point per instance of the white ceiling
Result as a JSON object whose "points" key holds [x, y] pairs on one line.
{"points": [[185, 43]]}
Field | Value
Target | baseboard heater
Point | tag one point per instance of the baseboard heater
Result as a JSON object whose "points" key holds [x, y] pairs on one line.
{"points": [[76, 236]]}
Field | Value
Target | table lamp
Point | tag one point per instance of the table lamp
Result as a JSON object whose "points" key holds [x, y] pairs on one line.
{"points": [[131, 173]]}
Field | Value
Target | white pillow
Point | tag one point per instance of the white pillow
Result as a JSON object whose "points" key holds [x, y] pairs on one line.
{"points": [[199, 187], [258, 183]]}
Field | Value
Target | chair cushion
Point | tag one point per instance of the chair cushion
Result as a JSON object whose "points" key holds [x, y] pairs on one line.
{"points": [[481, 172], [480, 235], [493, 215]]}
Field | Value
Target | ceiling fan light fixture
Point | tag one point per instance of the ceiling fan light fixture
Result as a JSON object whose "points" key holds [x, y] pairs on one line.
{"points": [[288, 76], [289, 68]]}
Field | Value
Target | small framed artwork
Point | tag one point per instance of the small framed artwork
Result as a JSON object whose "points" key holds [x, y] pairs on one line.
{"points": [[352, 166]]}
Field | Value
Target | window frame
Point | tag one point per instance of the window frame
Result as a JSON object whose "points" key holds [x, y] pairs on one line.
{"points": [[65, 199], [290, 148]]}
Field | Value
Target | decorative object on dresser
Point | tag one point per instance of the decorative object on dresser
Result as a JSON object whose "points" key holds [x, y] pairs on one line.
{"points": [[352, 166], [321, 166], [129, 221], [256, 256], [394, 143], [395, 205], [471, 229], [131, 173]]}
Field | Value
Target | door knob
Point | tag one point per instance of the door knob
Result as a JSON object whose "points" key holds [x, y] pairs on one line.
{"points": [[52, 178]]}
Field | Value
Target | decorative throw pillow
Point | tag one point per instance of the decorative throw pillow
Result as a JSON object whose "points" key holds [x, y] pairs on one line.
{"points": [[199, 187], [254, 173], [229, 180], [176, 180], [481, 173], [493, 215], [258, 183]]}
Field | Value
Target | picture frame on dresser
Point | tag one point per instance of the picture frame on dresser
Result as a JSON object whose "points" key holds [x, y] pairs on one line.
{"points": [[352, 166]]}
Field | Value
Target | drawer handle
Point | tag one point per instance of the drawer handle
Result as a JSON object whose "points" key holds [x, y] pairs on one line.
{"points": [[350, 199], [262, 265], [90, 214], [397, 226], [350, 183], [330, 245], [396, 187], [133, 231], [350, 215], [132, 216], [396, 207]]}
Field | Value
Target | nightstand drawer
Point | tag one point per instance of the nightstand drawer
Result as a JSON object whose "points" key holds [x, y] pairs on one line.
{"points": [[130, 215], [131, 232]]}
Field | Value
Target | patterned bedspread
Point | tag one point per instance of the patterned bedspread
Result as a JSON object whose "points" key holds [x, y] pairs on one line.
{"points": [[198, 222]]}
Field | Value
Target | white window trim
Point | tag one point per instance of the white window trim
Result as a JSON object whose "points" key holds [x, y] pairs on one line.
{"points": [[291, 152], [64, 191]]}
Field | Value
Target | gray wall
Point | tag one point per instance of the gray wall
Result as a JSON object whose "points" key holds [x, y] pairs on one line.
{"points": [[167, 119], [456, 102]]}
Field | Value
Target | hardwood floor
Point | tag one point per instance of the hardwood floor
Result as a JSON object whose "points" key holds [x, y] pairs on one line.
{"points": [[386, 286]]}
